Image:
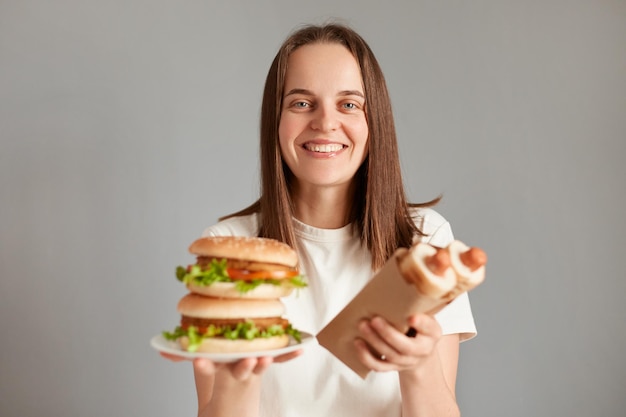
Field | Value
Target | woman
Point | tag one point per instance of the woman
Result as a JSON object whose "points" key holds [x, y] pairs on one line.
{"points": [[332, 188]]}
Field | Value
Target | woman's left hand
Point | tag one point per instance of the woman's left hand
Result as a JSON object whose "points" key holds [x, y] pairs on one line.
{"points": [[382, 347]]}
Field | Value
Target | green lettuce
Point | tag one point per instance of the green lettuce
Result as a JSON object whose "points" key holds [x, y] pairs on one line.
{"points": [[217, 272], [244, 330]]}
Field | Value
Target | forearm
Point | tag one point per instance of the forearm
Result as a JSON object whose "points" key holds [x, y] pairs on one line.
{"points": [[225, 396], [425, 391]]}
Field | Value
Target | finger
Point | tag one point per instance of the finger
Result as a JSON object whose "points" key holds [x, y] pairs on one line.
{"points": [[376, 333], [371, 360], [242, 369], [288, 356], [425, 325], [174, 358], [262, 364], [203, 366], [428, 334], [396, 347]]}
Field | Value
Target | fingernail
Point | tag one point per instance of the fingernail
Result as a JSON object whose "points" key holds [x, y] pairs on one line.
{"points": [[378, 322]]}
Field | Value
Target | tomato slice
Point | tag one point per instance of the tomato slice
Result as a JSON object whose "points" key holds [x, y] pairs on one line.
{"points": [[244, 274]]}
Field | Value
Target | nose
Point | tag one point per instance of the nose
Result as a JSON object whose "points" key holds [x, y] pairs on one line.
{"points": [[325, 119]]}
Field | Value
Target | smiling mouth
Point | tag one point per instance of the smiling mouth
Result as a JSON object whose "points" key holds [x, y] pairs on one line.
{"points": [[323, 148]]}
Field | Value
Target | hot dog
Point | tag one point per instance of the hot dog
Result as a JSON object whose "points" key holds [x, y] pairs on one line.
{"points": [[443, 273]]}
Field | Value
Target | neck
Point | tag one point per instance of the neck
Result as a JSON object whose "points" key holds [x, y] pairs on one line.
{"points": [[323, 207]]}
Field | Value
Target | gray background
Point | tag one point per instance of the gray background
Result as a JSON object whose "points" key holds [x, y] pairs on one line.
{"points": [[128, 126]]}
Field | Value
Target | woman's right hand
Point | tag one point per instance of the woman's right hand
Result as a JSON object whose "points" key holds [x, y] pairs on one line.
{"points": [[238, 381]]}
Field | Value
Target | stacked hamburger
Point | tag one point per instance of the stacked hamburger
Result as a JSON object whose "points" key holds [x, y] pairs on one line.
{"points": [[234, 300]]}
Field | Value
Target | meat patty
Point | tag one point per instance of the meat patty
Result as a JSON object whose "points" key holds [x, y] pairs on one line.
{"points": [[204, 261], [261, 323]]}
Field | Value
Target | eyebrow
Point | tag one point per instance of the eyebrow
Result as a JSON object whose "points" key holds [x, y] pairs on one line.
{"points": [[310, 93]]}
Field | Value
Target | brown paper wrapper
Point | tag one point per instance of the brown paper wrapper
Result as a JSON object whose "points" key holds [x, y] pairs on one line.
{"points": [[387, 295]]}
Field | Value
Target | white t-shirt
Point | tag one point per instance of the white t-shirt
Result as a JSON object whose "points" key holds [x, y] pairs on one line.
{"points": [[337, 267]]}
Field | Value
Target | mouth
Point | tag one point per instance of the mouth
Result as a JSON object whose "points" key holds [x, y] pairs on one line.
{"points": [[323, 148]]}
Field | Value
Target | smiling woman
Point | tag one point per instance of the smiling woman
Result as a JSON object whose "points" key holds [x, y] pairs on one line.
{"points": [[332, 189]]}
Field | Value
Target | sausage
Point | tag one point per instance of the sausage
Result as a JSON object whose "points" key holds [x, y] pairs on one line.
{"points": [[439, 262], [473, 258]]}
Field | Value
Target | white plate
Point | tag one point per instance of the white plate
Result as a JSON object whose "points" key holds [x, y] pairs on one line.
{"points": [[161, 344]]}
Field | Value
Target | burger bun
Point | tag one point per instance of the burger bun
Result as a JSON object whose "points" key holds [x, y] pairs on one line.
{"points": [[229, 290], [251, 249], [199, 306]]}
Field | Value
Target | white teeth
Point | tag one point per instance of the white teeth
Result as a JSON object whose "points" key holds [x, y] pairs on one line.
{"points": [[333, 147]]}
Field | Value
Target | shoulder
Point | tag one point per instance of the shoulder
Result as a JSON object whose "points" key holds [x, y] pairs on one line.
{"points": [[436, 229], [457, 318], [234, 226]]}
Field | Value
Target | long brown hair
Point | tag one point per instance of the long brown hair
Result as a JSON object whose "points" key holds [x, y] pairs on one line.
{"points": [[380, 211]]}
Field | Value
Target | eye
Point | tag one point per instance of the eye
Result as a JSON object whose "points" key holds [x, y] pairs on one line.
{"points": [[351, 106], [298, 105]]}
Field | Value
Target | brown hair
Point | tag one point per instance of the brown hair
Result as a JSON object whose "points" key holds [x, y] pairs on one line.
{"points": [[380, 211]]}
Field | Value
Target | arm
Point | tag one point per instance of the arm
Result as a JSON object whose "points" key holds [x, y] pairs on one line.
{"points": [[430, 390], [426, 364], [233, 388]]}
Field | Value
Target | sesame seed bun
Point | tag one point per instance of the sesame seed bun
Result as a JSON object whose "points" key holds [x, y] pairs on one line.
{"points": [[252, 249]]}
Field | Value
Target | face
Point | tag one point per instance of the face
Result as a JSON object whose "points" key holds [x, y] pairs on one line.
{"points": [[323, 129]]}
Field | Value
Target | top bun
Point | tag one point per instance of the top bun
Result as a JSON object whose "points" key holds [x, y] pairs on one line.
{"points": [[254, 249]]}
